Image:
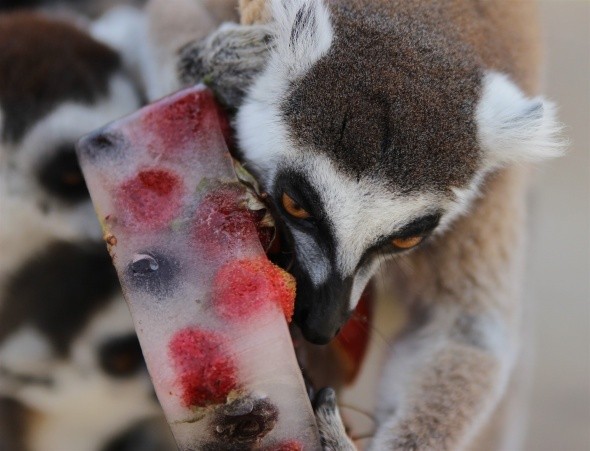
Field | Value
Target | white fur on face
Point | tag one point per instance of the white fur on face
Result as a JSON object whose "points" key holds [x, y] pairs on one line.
{"points": [[303, 33], [361, 212], [310, 255], [513, 128]]}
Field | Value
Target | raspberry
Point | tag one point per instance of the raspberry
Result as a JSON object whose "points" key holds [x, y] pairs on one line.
{"points": [[179, 121], [244, 287], [205, 372], [150, 200], [222, 224]]}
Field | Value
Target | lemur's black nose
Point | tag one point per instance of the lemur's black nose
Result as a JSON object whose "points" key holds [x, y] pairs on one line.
{"points": [[314, 330], [321, 311], [100, 143]]}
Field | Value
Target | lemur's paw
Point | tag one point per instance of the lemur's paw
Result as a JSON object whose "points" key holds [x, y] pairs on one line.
{"points": [[227, 60], [332, 432]]}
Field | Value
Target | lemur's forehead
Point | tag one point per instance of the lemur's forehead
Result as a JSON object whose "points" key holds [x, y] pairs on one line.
{"points": [[45, 63], [401, 108]]}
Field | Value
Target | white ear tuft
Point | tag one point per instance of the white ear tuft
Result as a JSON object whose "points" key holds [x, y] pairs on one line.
{"points": [[513, 128], [303, 33]]}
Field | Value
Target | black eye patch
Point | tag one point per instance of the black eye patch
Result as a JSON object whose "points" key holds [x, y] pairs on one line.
{"points": [[297, 187], [121, 356], [62, 177], [419, 227], [422, 226]]}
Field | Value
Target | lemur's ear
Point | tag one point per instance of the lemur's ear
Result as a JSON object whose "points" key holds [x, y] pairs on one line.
{"points": [[513, 128], [303, 35]]}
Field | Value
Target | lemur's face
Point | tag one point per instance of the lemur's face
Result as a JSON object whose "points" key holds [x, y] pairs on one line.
{"points": [[57, 84], [370, 136]]}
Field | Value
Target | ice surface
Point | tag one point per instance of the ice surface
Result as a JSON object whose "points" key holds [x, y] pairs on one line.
{"points": [[208, 307]]}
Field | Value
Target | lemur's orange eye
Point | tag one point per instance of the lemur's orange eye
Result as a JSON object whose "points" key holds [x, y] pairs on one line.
{"points": [[407, 243], [293, 208]]}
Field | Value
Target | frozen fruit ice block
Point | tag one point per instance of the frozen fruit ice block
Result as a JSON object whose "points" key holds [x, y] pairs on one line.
{"points": [[210, 310]]}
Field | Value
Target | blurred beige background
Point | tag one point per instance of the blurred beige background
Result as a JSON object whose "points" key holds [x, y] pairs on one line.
{"points": [[558, 285]]}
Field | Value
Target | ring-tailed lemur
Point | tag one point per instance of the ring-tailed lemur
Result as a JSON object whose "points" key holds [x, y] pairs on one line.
{"points": [[398, 130], [72, 375]]}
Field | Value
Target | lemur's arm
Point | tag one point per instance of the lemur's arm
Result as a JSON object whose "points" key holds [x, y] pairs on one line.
{"points": [[442, 381], [447, 374], [227, 60]]}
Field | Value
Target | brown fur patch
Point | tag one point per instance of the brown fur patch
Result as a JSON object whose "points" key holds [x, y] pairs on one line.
{"points": [[45, 62], [404, 80], [404, 88]]}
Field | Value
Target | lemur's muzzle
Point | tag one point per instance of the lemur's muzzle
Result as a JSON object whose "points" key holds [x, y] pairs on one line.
{"points": [[321, 311]]}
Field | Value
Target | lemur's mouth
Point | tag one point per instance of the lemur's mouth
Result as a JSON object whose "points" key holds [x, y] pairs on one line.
{"points": [[337, 363]]}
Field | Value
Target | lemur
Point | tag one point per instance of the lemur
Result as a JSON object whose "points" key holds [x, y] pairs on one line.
{"points": [[395, 135], [72, 375]]}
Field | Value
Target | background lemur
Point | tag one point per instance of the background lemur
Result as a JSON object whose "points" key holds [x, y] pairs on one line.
{"points": [[72, 376], [398, 131]]}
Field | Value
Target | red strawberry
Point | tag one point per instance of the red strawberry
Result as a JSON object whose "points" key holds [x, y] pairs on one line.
{"points": [[244, 287], [150, 200], [205, 372], [223, 224], [180, 121]]}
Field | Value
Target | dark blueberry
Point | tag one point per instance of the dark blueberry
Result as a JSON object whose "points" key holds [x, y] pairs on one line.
{"points": [[153, 272], [245, 421], [101, 143], [144, 264]]}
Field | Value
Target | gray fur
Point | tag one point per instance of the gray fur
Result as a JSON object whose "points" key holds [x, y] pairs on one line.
{"points": [[228, 60], [332, 433]]}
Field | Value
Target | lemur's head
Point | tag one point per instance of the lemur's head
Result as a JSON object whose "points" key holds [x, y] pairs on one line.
{"points": [[371, 133], [56, 84]]}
